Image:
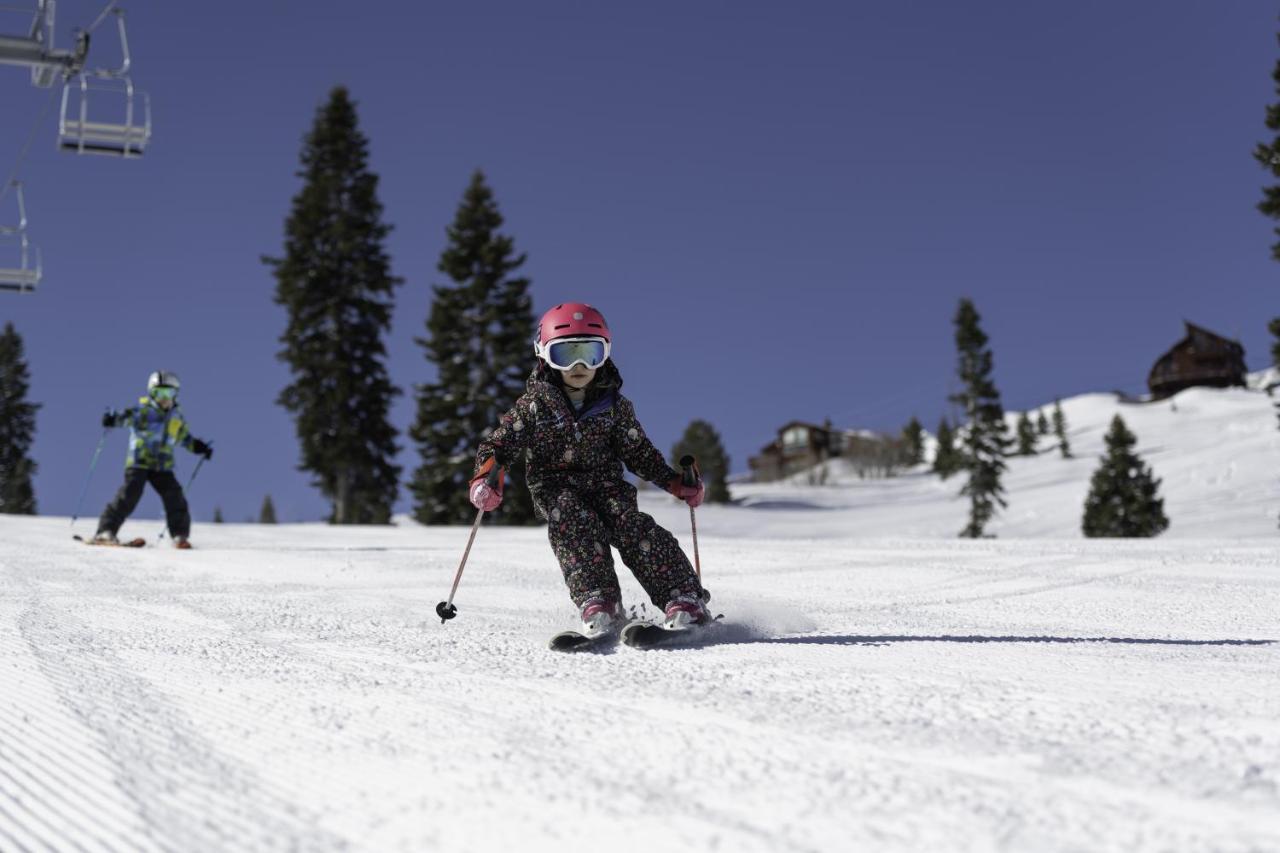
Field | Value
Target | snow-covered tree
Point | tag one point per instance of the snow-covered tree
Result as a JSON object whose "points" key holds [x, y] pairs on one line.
{"points": [[1124, 497], [1042, 423]]}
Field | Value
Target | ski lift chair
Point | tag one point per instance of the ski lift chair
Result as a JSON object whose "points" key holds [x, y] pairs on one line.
{"points": [[24, 277], [82, 133]]}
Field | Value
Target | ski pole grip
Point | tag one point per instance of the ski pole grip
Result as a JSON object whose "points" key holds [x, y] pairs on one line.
{"points": [[493, 477], [687, 475]]}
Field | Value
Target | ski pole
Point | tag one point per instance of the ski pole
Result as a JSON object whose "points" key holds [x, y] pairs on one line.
{"points": [[190, 480], [445, 609], [92, 464], [689, 477]]}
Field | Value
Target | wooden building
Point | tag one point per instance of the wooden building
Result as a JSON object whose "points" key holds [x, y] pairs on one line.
{"points": [[799, 445], [1199, 359]]}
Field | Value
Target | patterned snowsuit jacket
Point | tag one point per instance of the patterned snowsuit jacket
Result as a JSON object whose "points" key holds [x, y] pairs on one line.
{"points": [[153, 433], [584, 450], [574, 474]]}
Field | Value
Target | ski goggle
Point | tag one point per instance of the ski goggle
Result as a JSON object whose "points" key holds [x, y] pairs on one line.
{"points": [[164, 392], [564, 353]]}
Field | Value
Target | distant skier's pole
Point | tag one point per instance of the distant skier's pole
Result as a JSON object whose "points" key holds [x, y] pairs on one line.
{"points": [[92, 464], [689, 477], [190, 480], [445, 609]]}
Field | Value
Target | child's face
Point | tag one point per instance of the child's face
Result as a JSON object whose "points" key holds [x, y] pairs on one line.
{"points": [[578, 377]]}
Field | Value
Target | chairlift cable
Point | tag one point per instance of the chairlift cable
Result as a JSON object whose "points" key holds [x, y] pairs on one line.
{"points": [[22, 155], [110, 7]]}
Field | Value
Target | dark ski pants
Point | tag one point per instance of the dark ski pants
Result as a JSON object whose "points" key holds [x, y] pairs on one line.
{"points": [[582, 524], [126, 500]]}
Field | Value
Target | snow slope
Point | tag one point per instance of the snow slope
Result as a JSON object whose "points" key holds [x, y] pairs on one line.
{"points": [[878, 684]]}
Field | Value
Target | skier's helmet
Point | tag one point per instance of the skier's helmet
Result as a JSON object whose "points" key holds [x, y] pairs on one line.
{"points": [[572, 333], [163, 379]]}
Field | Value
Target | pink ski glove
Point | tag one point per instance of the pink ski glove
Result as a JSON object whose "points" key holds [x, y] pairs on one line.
{"points": [[483, 497], [692, 495]]}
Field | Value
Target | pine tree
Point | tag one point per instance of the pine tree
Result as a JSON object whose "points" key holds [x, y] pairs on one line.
{"points": [[1123, 495], [336, 286], [986, 440], [701, 440], [1042, 423], [913, 441], [1060, 429], [479, 334], [1268, 156], [947, 461], [1027, 436], [217, 515], [267, 515], [17, 428]]}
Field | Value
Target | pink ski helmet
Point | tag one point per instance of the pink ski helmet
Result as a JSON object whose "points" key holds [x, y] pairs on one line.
{"points": [[573, 333], [572, 320]]}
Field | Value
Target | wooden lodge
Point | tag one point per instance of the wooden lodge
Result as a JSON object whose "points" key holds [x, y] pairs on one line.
{"points": [[1199, 359], [799, 446]]}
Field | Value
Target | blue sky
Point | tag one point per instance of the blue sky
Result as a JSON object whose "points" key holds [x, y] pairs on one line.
{"points": [[777, 206]]}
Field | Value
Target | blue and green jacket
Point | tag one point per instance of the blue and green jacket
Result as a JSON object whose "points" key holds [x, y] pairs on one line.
{"points": [[153, 433]]}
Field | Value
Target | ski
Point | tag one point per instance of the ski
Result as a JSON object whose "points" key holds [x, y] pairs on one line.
{"points": [[576, 641], [127, 543], [650, 635]]}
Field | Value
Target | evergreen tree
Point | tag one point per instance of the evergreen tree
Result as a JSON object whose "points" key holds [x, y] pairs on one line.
{"points": [[17, 428], [267, 515], [1123, 495], [1060, 429], [336, 286], [1027, 436], [217, 515], [1268, 156], [1042, 423], [701, 440], [479, 334], [913, 441], [947, 461], [986, 440]]}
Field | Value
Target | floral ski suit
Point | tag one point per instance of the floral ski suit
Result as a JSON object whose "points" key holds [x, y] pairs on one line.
{"points": [[574, 473]]}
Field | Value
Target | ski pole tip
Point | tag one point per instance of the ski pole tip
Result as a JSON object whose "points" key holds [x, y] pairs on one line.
{"points": [[446, 611]]}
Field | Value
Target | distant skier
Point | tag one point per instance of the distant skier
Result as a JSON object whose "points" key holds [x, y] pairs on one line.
{"points": [[578, 431], [155, 426]]}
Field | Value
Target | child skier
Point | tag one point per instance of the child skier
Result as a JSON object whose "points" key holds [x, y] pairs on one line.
{"points": [[578, 431], [155, 426]]}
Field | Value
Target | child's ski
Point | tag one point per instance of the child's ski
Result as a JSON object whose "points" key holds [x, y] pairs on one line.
{"points": [[125, 543], [649, 635], [576, 641]]}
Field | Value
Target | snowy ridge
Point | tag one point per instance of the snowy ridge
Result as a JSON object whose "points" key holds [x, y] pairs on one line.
{"points": [[1216, 451]]}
